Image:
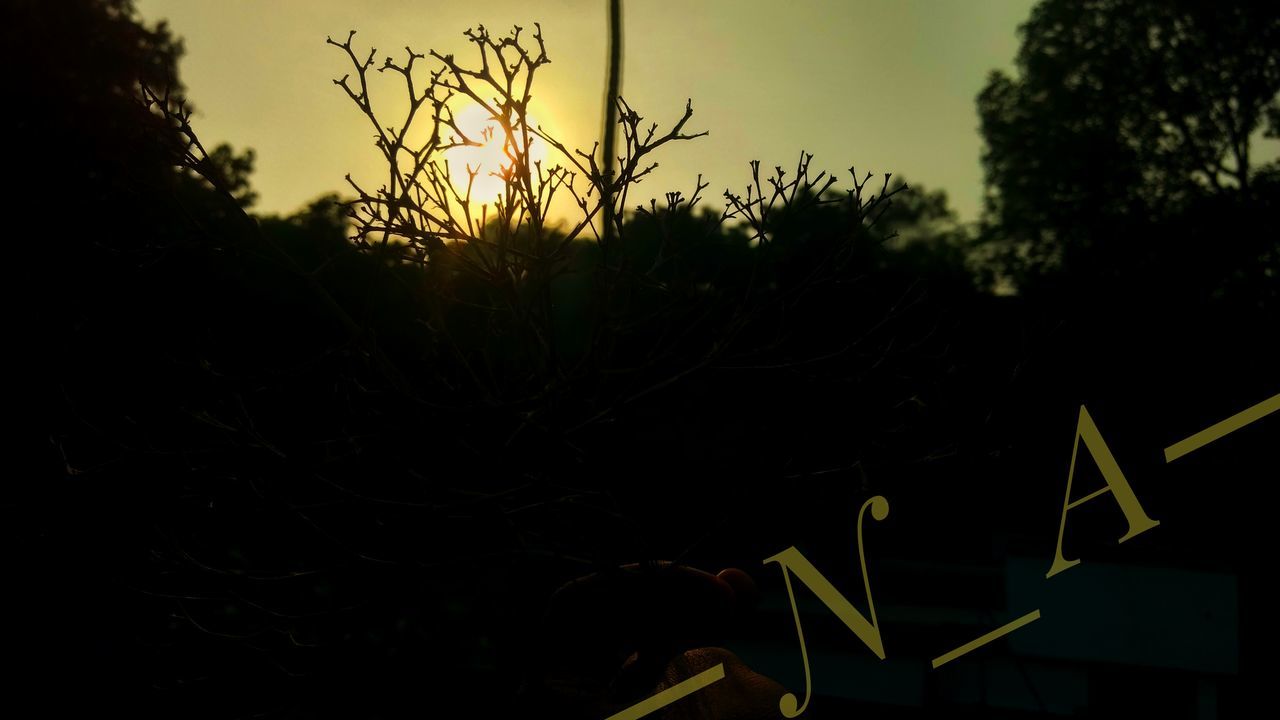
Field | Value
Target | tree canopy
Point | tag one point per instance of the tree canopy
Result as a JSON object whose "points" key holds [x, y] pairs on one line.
{"points": [[1122, 113]]}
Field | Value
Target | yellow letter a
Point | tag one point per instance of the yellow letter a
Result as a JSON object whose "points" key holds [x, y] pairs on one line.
{"points": [[1117, 485]]}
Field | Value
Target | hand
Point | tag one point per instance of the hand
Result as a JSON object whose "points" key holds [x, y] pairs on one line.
{"points": [[616, 637]]}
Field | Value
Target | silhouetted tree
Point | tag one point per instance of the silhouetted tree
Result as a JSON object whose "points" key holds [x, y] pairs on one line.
{"points": [[1122, 113]]}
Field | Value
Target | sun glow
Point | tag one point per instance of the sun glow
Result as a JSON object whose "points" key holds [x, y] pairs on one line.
{"points": [[489, 160]]}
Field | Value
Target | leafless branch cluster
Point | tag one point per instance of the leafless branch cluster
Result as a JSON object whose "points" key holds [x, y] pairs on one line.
{"points": [[426, 214], [429, 206], [762, 201], [172, 110]]}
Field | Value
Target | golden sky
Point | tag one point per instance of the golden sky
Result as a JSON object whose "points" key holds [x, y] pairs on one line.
{"points": [[888, 86]]}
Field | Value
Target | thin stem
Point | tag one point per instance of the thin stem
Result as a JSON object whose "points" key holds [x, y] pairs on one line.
{"points": [[611, 114]]}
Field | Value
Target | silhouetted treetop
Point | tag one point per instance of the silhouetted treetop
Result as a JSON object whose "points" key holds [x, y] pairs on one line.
{"points": [[92, 55], [1123, 110]]}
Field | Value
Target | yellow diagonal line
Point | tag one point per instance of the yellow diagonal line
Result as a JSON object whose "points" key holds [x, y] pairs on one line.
{"points": [[671, 694], [1230, 425], [994, 634]]}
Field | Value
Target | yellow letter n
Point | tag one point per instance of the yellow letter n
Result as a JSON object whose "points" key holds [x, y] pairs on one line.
{"points": [[792, 562], [1117, 485]]}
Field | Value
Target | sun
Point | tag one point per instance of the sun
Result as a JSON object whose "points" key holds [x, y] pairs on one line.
{"points": [[488, 158]]}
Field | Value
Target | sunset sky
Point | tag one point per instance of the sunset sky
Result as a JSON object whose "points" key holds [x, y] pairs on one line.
{"points": [[885, 86]]}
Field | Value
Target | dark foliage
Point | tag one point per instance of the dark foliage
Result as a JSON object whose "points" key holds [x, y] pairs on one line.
{"points": [[1125, 138], [285, 473]]}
